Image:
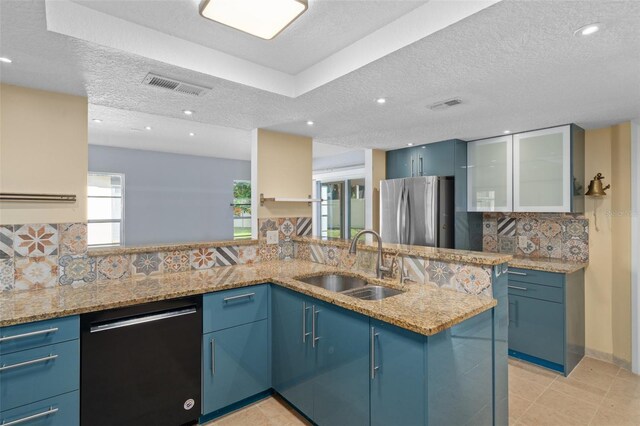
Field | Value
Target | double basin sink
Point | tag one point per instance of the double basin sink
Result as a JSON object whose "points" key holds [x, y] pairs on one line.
{"points": [[351, 286]]}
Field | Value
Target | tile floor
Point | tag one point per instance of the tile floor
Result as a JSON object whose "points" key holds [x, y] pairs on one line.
{"points": [[596, 393]]}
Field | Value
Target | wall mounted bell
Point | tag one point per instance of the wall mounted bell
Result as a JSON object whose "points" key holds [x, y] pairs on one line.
{"points": [[595, 187]]}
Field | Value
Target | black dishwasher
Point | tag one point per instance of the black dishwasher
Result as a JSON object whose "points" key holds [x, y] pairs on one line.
{"points": [[141, 364]]}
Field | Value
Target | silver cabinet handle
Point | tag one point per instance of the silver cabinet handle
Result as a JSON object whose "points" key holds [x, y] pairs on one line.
{"points": [[421, 170], [5, 367], [412, 167], [515, 287], [240, 296], [314, 334], [305, 308], [372, 351], [517, 273], [49, 412], [141, 320], [213, 356], [33, 333]]}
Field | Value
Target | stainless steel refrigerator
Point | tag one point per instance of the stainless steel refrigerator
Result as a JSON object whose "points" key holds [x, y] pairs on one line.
{"points": [[418, 211]]}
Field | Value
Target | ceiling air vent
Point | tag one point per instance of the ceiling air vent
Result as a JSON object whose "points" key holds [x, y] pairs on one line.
{"points": [[174, 85], [445, 104]]}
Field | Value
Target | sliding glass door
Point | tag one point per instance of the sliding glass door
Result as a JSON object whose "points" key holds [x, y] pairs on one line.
{"points": [[342, 210]]}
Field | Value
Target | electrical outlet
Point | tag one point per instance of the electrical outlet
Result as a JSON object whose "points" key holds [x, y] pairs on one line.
{"points": [[272, 237]]}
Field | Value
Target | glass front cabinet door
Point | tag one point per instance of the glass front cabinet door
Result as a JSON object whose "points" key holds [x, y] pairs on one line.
{"points": [[489, 175], [542, 170]]}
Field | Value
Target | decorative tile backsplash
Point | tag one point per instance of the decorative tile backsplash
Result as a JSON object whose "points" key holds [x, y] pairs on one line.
{"points": [[537, 235], [287, 227]]}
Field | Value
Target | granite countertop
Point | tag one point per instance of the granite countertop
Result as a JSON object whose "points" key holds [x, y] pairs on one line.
{"points": [[423, 308], [548, 265], [443, 254], [108, 251]]}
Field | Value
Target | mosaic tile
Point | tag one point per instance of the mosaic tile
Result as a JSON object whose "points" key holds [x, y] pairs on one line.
{"points": [[332, 255], [414, 268], [176, 261], [348, 260], [506, 227], [249, 254], [301, 251], [286, 250], [7, 273], [551, 247], [113, 267], [527, 227], [439, 273], [227, 256], [35, 240], [473, 279], [146, 264], [528, 246], [366, 261], [490, 243], [76, 269], [73, 238], [202, 258], [33, 273], [6, 241], [316, 253], [268, 252], [506, 244], [265, 225], [303, 227], [575, 250], [575, 229], [550, 228], [286, 228], [490, 227]]}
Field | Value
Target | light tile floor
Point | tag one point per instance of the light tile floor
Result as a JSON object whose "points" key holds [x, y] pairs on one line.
{"points": [[595, 393]]}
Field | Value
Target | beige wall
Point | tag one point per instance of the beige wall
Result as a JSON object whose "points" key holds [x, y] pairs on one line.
{"points": [[284, 169], [608, 277], [43, 149], [379, 172]]}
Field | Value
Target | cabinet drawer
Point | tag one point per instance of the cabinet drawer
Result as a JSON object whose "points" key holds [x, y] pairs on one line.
{"points": [[234, 307], [39, 373], [62, 410], [27, 336], [536, 291], [537, 277]]}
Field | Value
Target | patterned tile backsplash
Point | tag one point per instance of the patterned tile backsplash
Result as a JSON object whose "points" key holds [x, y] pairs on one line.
{"points": [[537, 235]]}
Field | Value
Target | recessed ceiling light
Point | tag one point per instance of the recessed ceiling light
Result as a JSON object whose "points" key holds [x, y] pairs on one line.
{"points": [[261, 18], [97, 120], [5, 60], [191, 134], [187, 112], [310, 123], [381, 101], [409, 144], [506, 132], [148, 128], [587, 29]]}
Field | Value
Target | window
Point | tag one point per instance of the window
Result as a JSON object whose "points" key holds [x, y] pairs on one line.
{"points": [[341, 213], [105, 207], [241, 210]]}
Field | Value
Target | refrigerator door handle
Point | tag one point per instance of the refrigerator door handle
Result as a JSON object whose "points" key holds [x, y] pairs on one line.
{"points": [[399, 225], [407, 219]]}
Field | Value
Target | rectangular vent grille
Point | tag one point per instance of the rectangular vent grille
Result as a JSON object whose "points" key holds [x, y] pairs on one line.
{"points": [[445, 104], [174, 85]]}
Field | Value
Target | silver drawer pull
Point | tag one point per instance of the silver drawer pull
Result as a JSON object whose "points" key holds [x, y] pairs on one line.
{"points": [[240, 296], [524, 274], [5, 367], [213, 356], [33, 333], [49, 412], [515, 287]]}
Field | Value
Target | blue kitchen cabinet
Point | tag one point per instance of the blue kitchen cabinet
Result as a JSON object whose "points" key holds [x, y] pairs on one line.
{"points": [[61, 410], [398, 376], [434, 159], [546, 318], [235, 365], [398, 163]]}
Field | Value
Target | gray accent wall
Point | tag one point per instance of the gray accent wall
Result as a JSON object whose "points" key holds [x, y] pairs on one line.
{"points": [[173, 197]]}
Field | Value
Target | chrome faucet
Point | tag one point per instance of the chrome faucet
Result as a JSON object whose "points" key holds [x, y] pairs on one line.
{"points": [[380, 269]]}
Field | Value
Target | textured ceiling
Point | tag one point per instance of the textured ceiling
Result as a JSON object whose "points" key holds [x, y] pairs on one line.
{"points": [[326, 27], [516, 65]]}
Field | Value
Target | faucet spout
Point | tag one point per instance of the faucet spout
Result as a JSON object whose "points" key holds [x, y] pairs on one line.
{"points": [[380, 270]]}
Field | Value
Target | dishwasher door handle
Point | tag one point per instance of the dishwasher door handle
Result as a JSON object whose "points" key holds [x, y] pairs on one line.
{"points": [[142, 320]]}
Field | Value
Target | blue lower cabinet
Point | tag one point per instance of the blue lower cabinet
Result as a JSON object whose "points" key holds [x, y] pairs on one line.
{"points": [[235, 365], [398, 376], [341, 385], [39, 373], [62, 410], [41, 333]]}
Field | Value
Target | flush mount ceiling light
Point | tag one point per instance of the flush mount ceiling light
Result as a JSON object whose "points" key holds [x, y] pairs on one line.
{"points": [[587, 29], [506, 132], [191, 134], [5, 60], [97, 120], [187, 112], [409, 144], [260, 18], [381, 101], [310, 123], [148, 128]]}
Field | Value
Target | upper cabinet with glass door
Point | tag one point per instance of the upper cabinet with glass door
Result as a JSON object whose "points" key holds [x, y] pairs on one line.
{"points": [[489, 175]]}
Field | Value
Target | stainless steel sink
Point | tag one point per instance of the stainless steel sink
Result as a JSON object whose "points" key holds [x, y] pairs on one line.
{"points": [[335, 282], [373, 292]]}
